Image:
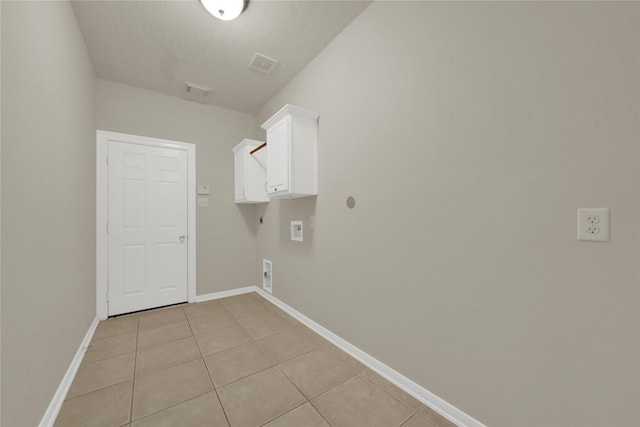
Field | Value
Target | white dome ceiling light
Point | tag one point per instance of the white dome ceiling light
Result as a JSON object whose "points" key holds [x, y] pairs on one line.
{"points": [[226, 10]]}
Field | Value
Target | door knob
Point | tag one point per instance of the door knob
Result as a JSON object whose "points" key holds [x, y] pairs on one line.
{"points": [[181, 237]]}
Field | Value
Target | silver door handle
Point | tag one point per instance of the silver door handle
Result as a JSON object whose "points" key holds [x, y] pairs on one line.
{"points": [[182, 237]]}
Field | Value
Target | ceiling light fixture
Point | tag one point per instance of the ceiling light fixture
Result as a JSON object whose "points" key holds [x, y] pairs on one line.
{"points": [[225, 9]]}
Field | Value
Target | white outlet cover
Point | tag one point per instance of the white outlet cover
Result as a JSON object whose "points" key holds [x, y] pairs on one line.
{"points": [[296, 231], [267, 275], [593, 224]]}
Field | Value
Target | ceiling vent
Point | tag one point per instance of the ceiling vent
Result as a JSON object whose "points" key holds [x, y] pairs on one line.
{"points": [[196, 90], [263, 63]]}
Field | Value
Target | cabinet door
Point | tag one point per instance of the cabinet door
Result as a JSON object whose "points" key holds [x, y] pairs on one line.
{"points": [[240, 168], [278, 156]]}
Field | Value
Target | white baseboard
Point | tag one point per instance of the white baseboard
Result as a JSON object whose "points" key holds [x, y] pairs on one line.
{"points": [[434, 402], [225, 294], [51, 413]]}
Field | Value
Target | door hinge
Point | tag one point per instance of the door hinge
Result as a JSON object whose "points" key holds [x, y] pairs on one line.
{"points": [[107, 296], [107, 227], [107, 159]]}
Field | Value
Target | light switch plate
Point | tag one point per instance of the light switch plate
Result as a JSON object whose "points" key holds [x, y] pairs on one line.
{"points": [[593, 224]]}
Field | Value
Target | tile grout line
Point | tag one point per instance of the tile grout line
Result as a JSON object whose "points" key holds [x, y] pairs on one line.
{"points": [[184, 363], [278, 365], [349, 379], [96, 390], [372, 381], [173, 405], [166, 342], [103, 387], [294, 325], [307, 400], [116, 334], [213, 385], [291, 358], [133, 381], [413, 412], [106, 358], [303, 395], [110, 356], [357, 373], [272, 358], [135, 363], [174, 366], [283, 414], [320, 413], [245, 377], [292, 383], [275, 363], [224, 412]]}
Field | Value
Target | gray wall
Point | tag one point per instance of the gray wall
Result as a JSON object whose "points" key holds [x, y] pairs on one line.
{"points": [[48, 203], [0, 219], [469, 134], [226, 248]]}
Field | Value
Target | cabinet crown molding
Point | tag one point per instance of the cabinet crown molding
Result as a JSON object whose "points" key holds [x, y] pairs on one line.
{"points": [[289, 109]]}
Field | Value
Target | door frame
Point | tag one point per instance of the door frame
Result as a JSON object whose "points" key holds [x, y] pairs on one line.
{"points": [[102, 186]]}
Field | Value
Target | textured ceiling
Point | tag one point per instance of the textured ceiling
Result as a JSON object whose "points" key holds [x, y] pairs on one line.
{"points": [[158, 45]]}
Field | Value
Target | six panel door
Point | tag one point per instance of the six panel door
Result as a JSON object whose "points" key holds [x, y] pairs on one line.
{"points": [[147, 220]]}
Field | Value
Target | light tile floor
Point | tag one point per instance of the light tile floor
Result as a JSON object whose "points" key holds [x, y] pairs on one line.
{"points": [[238, 362]]}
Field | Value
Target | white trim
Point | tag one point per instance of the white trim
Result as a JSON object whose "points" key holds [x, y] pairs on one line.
{"points": [[102, 138], [191, 218], [52, 411], [225, 294], [434, 402], [102, 250]]}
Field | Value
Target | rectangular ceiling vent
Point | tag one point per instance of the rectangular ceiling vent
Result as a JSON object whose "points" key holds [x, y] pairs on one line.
{"points": [[197, 90], [263, 63]]}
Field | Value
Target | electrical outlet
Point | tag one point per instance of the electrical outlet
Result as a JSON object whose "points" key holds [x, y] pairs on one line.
{"points": [[593, 224]]}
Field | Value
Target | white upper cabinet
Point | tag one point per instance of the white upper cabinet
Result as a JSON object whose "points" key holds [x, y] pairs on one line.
{"points": [[250, 172], [292, 153]]}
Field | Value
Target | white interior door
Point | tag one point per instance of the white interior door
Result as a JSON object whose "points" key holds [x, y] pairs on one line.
{"points": [[147, 227]]}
